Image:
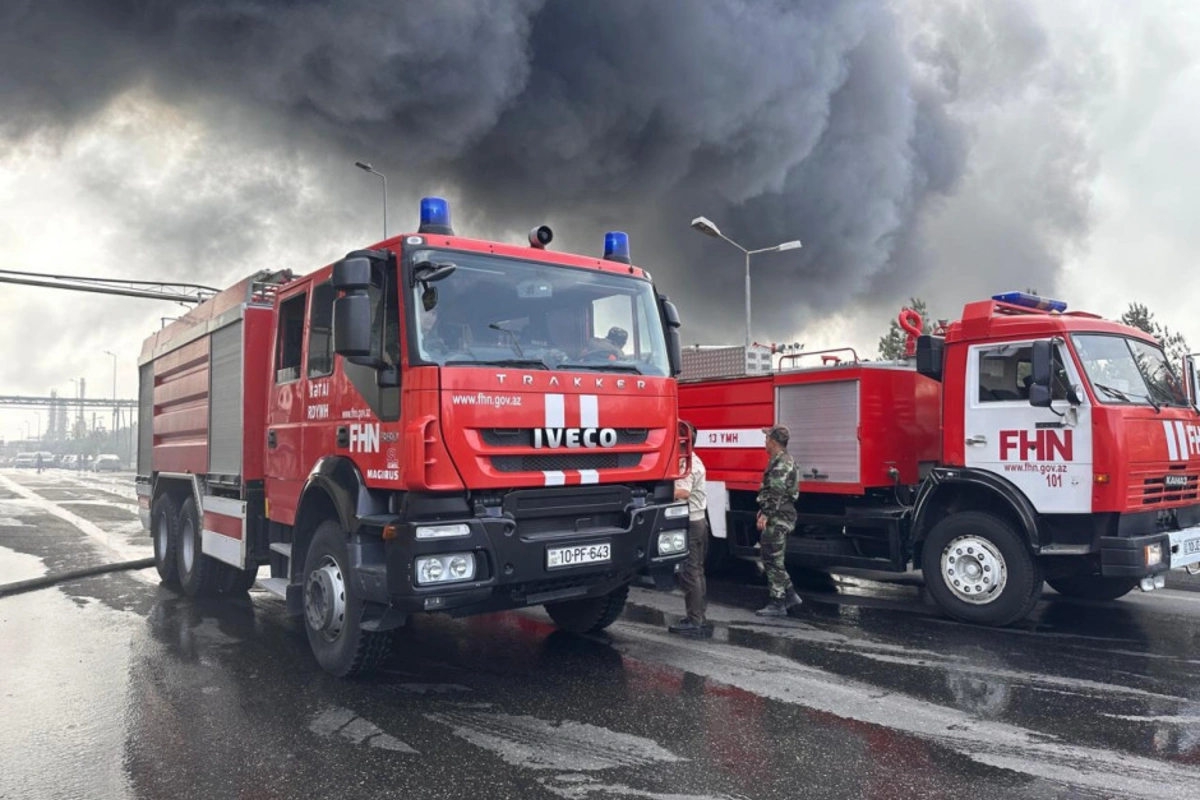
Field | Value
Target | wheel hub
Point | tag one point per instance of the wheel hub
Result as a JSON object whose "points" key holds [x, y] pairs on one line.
{"points": [[325, 599], [974, 569], [188, 545]]}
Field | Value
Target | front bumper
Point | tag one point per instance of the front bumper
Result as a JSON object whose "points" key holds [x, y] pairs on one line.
{"points": [[511, 561], [1126, 556]]}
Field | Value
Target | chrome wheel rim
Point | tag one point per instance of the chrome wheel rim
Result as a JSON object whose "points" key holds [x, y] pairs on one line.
{"points": [[974, 570], [325, 599]]}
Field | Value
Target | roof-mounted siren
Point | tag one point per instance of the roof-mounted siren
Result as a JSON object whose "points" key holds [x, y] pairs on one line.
{"points": [[1026, 300], [540, 236], [435, 216], [616, 247]]}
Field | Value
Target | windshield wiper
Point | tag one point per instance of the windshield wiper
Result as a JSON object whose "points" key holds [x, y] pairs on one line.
{"points": [[602, 367], [534, 363], [512, 338], [1128, 398]]}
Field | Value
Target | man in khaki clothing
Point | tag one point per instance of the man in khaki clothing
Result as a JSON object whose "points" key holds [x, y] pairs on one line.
{"points": [[691, 576]]}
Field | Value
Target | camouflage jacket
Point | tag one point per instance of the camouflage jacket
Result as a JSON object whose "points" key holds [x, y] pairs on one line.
{"points": [[780, 487]]}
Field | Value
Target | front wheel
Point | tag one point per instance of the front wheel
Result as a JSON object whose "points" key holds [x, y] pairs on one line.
{"points": [[333, 610], [978, 569], [1093, 587], [591, 614]]}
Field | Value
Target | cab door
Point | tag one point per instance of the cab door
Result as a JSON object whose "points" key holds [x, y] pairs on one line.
{"points": [[285, 469], [1044, 452]]}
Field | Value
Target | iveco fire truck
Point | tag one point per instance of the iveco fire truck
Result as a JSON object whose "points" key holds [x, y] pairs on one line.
{"points": [[434, 424], [1019, 444]]}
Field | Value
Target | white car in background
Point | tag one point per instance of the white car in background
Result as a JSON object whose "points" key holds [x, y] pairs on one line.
{"points": [[107, 462]]}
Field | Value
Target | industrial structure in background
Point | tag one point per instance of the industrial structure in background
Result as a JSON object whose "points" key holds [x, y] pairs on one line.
{"points": [[436, 424], [72, 426], [1019, 444]]}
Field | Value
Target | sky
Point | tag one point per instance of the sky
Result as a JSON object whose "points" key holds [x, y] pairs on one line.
{"points": [[947, 149]]}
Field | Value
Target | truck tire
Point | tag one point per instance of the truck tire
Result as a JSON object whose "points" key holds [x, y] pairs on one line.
{"points": [[164, 524], [591, 614], [234, 581], [197, 572], [979, 569], [1093, 587], [333, 610]]}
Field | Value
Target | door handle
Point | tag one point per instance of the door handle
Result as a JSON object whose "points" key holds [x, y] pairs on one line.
{"points": [[272, 441], [977, 440]]}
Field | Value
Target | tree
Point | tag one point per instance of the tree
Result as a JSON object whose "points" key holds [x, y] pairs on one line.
{"points": [[893, 344], [1140, 317]]}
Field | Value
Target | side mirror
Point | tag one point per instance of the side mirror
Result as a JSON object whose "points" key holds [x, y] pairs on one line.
{"points": [[352, 325], [674, 342], [1043, 368], [352, 274], [1190, 386]]}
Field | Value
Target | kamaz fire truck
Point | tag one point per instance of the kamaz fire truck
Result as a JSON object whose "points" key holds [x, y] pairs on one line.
{"points": [[1021, 444], [435, 424]]}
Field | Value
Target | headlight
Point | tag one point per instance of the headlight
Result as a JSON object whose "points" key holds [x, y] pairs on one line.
{"points": [[443, 531], [672, 542], [1153, 555], [451, 568], [675, 512]]}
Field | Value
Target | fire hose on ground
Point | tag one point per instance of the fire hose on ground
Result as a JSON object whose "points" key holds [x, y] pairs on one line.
{"points": [[46, 581]]}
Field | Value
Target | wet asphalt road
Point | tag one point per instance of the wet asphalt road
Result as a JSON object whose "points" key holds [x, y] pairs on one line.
{"points": [[115, 687]]}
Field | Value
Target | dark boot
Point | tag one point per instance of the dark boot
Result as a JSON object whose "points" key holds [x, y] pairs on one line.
{"points": [[775, 608], [691, 630]]}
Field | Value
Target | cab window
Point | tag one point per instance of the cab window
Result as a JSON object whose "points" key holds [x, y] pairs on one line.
{"points": [[1005, 374], [289, 339]]}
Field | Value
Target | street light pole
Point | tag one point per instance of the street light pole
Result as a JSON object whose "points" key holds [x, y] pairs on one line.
{"points": [[706, 226], [116, 419], [368, 168]]}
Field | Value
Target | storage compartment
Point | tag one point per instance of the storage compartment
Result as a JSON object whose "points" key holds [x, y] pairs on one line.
{"points": [[823, 419]]}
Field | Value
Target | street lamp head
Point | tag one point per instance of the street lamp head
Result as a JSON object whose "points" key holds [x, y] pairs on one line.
{"points": [[364, 167], [705, 226], [792, 245]]}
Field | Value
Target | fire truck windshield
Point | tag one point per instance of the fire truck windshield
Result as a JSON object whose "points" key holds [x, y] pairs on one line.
{"points": [[1123, 370], [494, 310]]}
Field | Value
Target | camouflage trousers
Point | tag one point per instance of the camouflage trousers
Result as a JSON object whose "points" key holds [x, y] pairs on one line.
{"points": [[772, 546]]}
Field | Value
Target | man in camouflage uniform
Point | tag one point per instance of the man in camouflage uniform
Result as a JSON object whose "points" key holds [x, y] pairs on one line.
{"points": [[776, 519]]}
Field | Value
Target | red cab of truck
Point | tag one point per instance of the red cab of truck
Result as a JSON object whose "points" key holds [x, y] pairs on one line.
{"points": [[435, 424], [1019, 444]]}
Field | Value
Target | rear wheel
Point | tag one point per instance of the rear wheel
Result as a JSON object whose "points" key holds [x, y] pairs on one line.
{"points": [[197, 572], [1093, 587], [333, 610], [590, 614], [979, 570], [163, 525]]}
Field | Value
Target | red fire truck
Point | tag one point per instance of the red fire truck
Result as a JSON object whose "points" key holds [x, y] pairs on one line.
{"points": [[436, 424], [1019, 444]]}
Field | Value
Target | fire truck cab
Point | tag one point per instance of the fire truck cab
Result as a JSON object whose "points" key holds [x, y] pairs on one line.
{"points": [[1020, 444], [435, 424]]}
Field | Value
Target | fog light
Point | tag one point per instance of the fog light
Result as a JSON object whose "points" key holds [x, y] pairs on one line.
{"points": [[458, 568], [1153, 555], [443, 531], [676, 512], [672, 542]]}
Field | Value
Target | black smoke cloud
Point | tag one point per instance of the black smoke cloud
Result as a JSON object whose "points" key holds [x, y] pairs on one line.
{"points": [[849, 124]]}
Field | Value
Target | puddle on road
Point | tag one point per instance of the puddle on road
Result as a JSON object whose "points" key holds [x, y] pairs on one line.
{"points": [[64, 696], [16, 566]]}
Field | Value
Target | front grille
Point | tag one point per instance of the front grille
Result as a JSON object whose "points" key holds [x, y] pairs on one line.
{"points": [[1154, 490], [523, 437], [560, 462]]}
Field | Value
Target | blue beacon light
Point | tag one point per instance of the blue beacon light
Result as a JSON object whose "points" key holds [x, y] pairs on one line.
{"points": [[435, 216], [616, 247], [1026, 300]]}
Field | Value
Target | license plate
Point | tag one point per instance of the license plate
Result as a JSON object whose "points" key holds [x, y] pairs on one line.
{"points": [[579, 554], [1191, 546]]}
